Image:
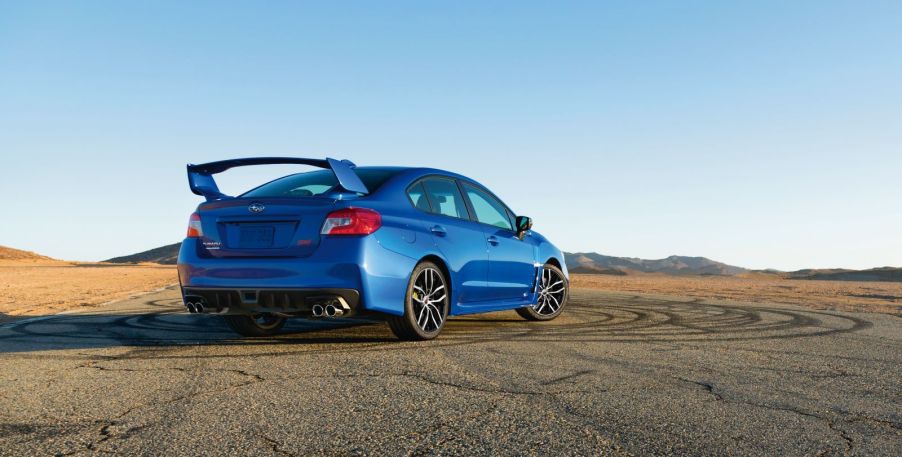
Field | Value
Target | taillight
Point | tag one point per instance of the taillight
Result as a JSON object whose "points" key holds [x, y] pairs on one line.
{"points": [[194, 229], [352, 221]]}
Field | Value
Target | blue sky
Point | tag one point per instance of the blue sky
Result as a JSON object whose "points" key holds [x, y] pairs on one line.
{"points": [[762, 134]]}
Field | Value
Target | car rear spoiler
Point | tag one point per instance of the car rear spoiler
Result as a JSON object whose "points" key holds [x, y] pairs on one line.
{"points": [[200, 177]]}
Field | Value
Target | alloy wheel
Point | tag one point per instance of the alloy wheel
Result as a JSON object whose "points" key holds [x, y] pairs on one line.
{"points": [[429, 298], [552, 290]]}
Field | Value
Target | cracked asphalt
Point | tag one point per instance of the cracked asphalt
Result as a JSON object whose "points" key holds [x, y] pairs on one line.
{"points": [[616, 374]]}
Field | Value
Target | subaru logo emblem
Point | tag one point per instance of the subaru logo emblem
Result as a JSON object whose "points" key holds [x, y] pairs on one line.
{"points": [[256, 207]]}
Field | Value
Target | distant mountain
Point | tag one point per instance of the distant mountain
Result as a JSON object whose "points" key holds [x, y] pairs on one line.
{"points": [[889, 274], [7, 253], [591, 262], [167, 255]]}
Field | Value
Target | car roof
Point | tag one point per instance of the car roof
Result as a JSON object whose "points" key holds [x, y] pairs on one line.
{"points": [[406, 175]]}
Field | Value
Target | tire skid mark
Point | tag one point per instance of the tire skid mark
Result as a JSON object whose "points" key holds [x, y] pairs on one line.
{"points": [[586, 320]]}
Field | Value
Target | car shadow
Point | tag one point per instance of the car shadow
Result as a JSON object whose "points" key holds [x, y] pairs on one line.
{"points": [[102, 330]]}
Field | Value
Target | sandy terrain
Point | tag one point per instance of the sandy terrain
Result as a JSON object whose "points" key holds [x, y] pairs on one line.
{"points": [[882, 297], [40, 286], [32, 287]]}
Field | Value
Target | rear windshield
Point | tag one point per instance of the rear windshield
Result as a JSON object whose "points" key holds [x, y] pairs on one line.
{"points": [[317, 183]]}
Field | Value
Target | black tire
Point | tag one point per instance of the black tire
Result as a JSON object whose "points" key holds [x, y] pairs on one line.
{"points": [[549, 305], [255, 325], [426, 304]]}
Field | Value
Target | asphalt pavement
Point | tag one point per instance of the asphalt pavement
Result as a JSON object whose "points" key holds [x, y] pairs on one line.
{"points": [[616, 374]]}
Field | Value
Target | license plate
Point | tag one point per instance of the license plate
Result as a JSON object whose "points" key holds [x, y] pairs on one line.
{"points": [[256, 237]]}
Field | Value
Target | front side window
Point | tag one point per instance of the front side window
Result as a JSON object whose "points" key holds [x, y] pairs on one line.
{"points": [[445, 198], [487, 208]]}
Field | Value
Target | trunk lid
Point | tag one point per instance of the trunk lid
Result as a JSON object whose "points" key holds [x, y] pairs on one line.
{"points": [[263, 227]]}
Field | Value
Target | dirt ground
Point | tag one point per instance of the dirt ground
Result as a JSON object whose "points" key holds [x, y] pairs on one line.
{"points": [[616, 374], [881, 297], [41, 287]]}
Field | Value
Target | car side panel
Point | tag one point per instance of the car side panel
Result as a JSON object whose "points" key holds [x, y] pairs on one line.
{"points": [[462, 246], [511, 264], [402, 242], [384, 275]]}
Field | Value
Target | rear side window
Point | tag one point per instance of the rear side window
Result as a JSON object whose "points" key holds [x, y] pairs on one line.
{"points": [[487, 208], [317, 183], [445, 198], [418, 197]]}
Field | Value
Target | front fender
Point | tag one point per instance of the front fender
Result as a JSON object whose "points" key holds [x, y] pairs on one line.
{"points": [[546, 251]]}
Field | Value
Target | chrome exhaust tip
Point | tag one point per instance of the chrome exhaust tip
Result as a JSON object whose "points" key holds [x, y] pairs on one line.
{"points": [[190, 307], [199, 307], [317, 310], [332, 311]]}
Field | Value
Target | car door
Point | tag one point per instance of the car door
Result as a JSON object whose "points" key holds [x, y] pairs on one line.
{"points": [[511, 270], [461, 241]]}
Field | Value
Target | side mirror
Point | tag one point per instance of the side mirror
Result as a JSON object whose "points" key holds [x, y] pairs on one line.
{"points": [[523, 225]]}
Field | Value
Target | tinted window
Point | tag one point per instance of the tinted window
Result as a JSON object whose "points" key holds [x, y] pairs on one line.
{"points": [[418, 197], [318, 182], [488, 209], [445, 198]]}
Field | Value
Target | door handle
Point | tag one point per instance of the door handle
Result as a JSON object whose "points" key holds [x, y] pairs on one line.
{"points": [[493, 240], [438, 230]]}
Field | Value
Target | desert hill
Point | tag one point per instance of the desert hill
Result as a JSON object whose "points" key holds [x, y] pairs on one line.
{"points": [[166, 255], [595, 263], [7, 253], [838, 274], [592, 262]]}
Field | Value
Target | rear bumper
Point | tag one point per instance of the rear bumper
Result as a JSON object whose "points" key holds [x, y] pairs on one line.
{"points": [[334, 265], [269, 300], [369, 277]]}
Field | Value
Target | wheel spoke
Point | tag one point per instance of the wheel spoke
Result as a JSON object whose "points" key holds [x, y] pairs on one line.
{"points": [[426, 313], [542, 302], [421, 321], [556, 305], [434, 315]]}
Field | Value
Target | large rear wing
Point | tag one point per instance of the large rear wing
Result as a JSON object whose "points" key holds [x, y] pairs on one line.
{"points": [[200, 177]]}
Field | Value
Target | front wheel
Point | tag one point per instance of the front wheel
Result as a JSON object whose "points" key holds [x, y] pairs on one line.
{"points": [[554, 290], [426, 305], [262, 324]]}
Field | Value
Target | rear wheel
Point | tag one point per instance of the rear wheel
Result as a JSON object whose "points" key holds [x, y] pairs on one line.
{"points": [[426, 305], [262, 324], [554, 290]]}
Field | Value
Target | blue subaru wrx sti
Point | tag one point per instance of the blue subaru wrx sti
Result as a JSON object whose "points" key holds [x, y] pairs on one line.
{"points": [[409, 245]]}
